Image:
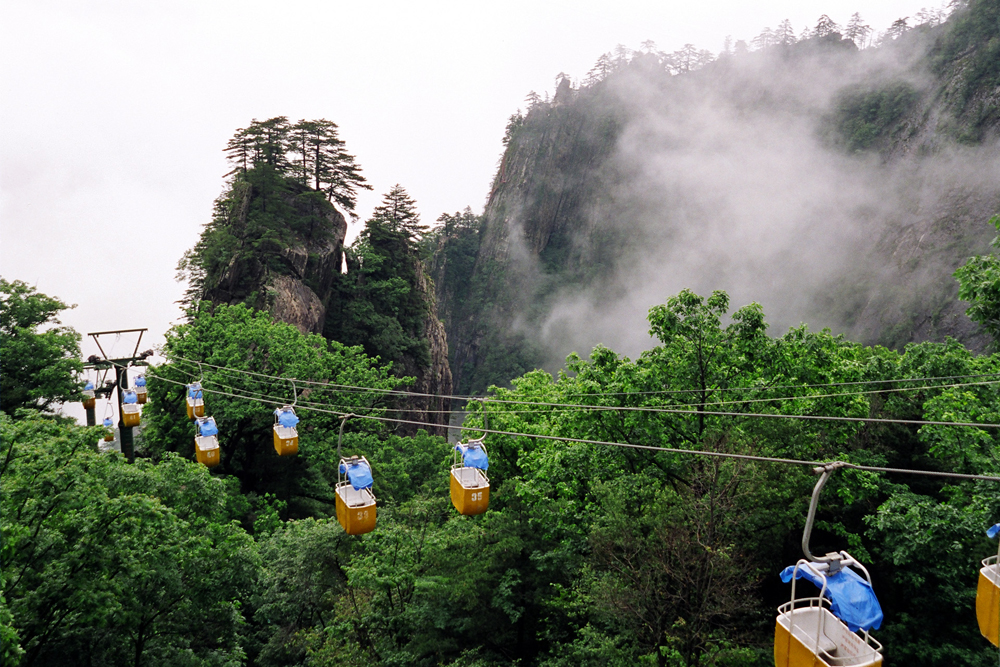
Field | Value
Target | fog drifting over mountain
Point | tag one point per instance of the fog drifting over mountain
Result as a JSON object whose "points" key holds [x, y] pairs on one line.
{"points": [[732, 178]]}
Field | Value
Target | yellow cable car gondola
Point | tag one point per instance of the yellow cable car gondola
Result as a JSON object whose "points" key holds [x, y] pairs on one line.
{"points": [[821, 631], [195, 401], [89, 398], [131, 412], [140, 389], [109, 429], [107, 443], [206, 441], [469, 485], [355, 500], [988, 594], [286, 436]]}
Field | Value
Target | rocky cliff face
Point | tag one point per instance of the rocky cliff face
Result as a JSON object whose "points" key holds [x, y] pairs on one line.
{"points": [[298, 280], [294, 281], [836, 187], [435, 378]]}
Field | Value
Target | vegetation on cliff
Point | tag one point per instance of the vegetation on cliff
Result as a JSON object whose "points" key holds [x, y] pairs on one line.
{"points": [[379, 304], [277, 200], [276, 243]]}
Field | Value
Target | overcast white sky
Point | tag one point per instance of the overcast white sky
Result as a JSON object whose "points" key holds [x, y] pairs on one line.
{"points": [[113, 114]]}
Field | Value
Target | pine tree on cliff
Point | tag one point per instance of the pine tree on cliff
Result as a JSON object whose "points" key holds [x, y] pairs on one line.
{"points": [[398, 213], [284, 177], [310, 152], [382, 305], [321, 161]]}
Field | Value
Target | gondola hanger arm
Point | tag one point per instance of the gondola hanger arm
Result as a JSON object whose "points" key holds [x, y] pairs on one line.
{"points": [[824, 472], [340, 438]]}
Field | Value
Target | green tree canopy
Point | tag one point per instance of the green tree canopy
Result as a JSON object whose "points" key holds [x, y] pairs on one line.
{"points": [[254, 349], [979, 284], [310, 151], [383, 299], [109, 563], [39, 360]]}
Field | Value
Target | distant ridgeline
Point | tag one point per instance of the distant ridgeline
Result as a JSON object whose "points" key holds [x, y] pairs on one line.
{"points": [[276, 243], [837, 182]]}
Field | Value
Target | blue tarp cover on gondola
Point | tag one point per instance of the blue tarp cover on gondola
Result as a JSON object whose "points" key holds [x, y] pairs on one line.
{"points": [[207, 427], [359, 474], [108, 422], [852, 599], [474, 457], [287, 418], [140, 381], [992, 531], [194, 391], [130, 397]]}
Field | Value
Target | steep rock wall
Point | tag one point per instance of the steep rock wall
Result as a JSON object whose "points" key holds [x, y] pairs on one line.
{"points": [[743, 176], [294, 281], [435, 379]]}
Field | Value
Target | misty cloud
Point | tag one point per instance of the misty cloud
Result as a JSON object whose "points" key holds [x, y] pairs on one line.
{"points": [[730, 178]]}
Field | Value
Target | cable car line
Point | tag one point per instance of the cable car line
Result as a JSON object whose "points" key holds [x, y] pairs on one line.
{"points": [[678, 409], [671, 450], [665, 391], [652, 409], [876, 420]]}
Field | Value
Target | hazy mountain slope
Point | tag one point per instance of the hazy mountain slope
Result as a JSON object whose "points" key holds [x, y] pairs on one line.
{"points": [[837, 187]]}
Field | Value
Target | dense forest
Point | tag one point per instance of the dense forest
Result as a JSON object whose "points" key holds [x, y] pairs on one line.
{"points": [[641, 503]]}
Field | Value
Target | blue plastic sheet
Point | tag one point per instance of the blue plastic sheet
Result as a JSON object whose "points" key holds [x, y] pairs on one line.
{"points": [[89, 386], [852, 599], [992, 531], [358, 474], [474, 457], [207, 426], [140, 381], [130, 397], [287, 418], [194, 391], [107, 422]]}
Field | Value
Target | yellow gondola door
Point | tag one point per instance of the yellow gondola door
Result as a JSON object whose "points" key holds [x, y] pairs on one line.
{"points": [[988, 595]]}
